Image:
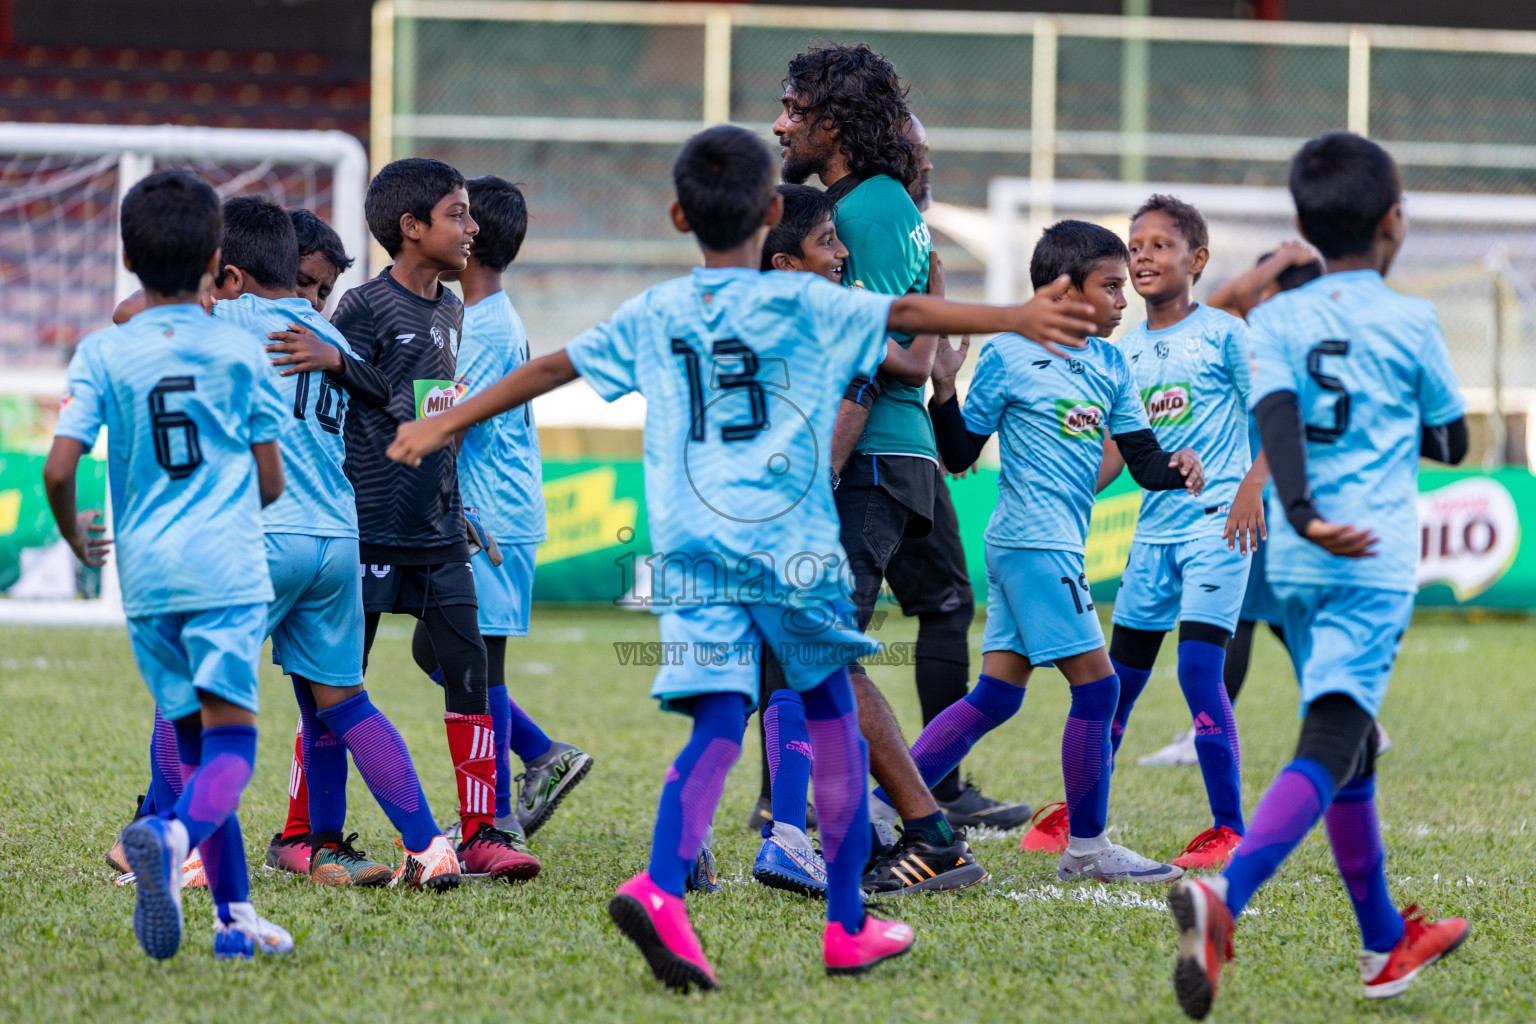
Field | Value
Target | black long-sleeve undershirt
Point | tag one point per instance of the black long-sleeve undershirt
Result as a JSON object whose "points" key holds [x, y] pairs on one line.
{"points": [[363, 381], [959, 447]]}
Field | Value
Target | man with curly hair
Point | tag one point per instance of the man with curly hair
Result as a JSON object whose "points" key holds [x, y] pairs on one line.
{"points": [[846, 121]]}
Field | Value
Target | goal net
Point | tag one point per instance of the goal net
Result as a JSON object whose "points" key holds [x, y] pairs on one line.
{"points": [[61, 274]]}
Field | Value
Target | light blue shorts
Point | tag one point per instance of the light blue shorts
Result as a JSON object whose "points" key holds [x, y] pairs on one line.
{"points": [[1343, 639], [1194, 581], [505, 591], [715, 648], [215, 651], [1259, 604], [316, 615], [1038, 605]]}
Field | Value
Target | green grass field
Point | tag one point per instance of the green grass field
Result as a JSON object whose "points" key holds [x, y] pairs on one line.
{"points": [[1456, 802]]}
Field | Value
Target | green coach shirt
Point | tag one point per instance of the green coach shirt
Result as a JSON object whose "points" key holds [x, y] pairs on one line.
{"points": [[888, 246]]}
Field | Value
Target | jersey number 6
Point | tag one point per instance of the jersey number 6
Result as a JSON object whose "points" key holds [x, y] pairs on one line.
{"points": [[746, 379], [165, 424]]}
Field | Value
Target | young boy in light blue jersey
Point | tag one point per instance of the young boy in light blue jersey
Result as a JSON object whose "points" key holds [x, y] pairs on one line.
{"points": [[1188, 563], [193, 416], [742, 371], [1053, 413], [501, 479], [316, 617], [1353, 385]]}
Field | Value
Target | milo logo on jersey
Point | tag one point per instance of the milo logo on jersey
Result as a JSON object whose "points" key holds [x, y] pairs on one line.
{"points": [[436, 396], [1080, 419], [1168, 404]]}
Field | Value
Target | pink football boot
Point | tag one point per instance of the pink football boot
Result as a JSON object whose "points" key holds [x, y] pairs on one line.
{"points": [[657, 922]]}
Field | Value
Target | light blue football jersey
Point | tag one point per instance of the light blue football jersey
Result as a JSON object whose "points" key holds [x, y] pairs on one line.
{"points": [[742, 372], [1369, 367], [1053, 415], [183, 397], [500, 470], [1193, 379], [317, 497]]}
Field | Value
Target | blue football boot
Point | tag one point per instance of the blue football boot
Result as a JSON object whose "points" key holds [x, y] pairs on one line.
{"points": [[703, 876], [788, 861], [247, 935], [155, 849]]}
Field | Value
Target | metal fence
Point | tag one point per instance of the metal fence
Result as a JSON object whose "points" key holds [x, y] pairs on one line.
{"points": [[585, 103]]}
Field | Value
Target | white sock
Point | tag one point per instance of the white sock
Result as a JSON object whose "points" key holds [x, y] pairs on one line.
{"points": [[1077, 846]]}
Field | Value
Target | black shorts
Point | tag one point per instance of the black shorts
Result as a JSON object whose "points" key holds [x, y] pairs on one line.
{"points": [[873, 525], [927, 574], [411, 589]]}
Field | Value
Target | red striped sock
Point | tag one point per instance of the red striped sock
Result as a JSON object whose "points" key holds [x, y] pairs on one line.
{"points": [[472, 745], [298, 791]]}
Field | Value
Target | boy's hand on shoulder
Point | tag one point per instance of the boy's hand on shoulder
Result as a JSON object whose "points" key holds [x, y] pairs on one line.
{"points": [[1341, 539], [415, 440], [300, 351], [90, 542], [1189, 465], [1245, 520], [1049, 321]]}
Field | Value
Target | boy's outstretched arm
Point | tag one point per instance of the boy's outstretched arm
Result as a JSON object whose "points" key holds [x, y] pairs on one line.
{"points": [[420, 438], [1041, 319], [1283, 434], [85, 536], [1239, 295], [1154, 469], [297, 350], [959, 446]]}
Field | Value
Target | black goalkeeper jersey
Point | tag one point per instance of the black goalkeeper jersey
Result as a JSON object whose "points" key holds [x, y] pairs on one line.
{"points": [[405, 515]]}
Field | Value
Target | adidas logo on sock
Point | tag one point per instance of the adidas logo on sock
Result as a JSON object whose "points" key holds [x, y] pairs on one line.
{"points": [[1206, 726]]}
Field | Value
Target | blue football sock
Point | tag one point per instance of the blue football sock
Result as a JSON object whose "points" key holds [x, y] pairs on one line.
{"points": [[840, 768], [788, 749], [386, 766], [1295, 800], [1132, 682], [528, 741], [946, 740], [165, 779], [1085, 755], [325, 764], [693, 785], [1200, 677], [229, 880], [213, 791], [1355, 835], [501, 727]]}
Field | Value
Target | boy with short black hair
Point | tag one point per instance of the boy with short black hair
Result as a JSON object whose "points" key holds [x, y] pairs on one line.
{"points": [[1052, 415], [193, 415], [1188, 563], [501, 479], [411, 528], [316, 617], [1356, 386], [322, 257], [739, 480]]}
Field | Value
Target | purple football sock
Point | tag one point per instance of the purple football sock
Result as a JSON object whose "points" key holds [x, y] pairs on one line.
{"points": [[1292, 805], [1221, 760], [325, 764], [789, 756], [842, 798], [385, 765], [229, 880], [1355, 836], [501, 730], [946, 740], [166, 780], [1086, 755], [213, 791], [694, 783]]}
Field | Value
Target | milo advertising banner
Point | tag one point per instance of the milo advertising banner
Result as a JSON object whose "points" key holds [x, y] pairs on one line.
{"points": [[1472, 525]]}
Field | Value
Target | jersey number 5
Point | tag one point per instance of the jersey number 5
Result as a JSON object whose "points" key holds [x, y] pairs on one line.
{"points": [[746, 379], [177, 460], [1329, 434], [327, 403]]}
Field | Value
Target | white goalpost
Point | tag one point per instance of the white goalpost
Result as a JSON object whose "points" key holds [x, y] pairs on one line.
{"points": [[61, 268]]}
